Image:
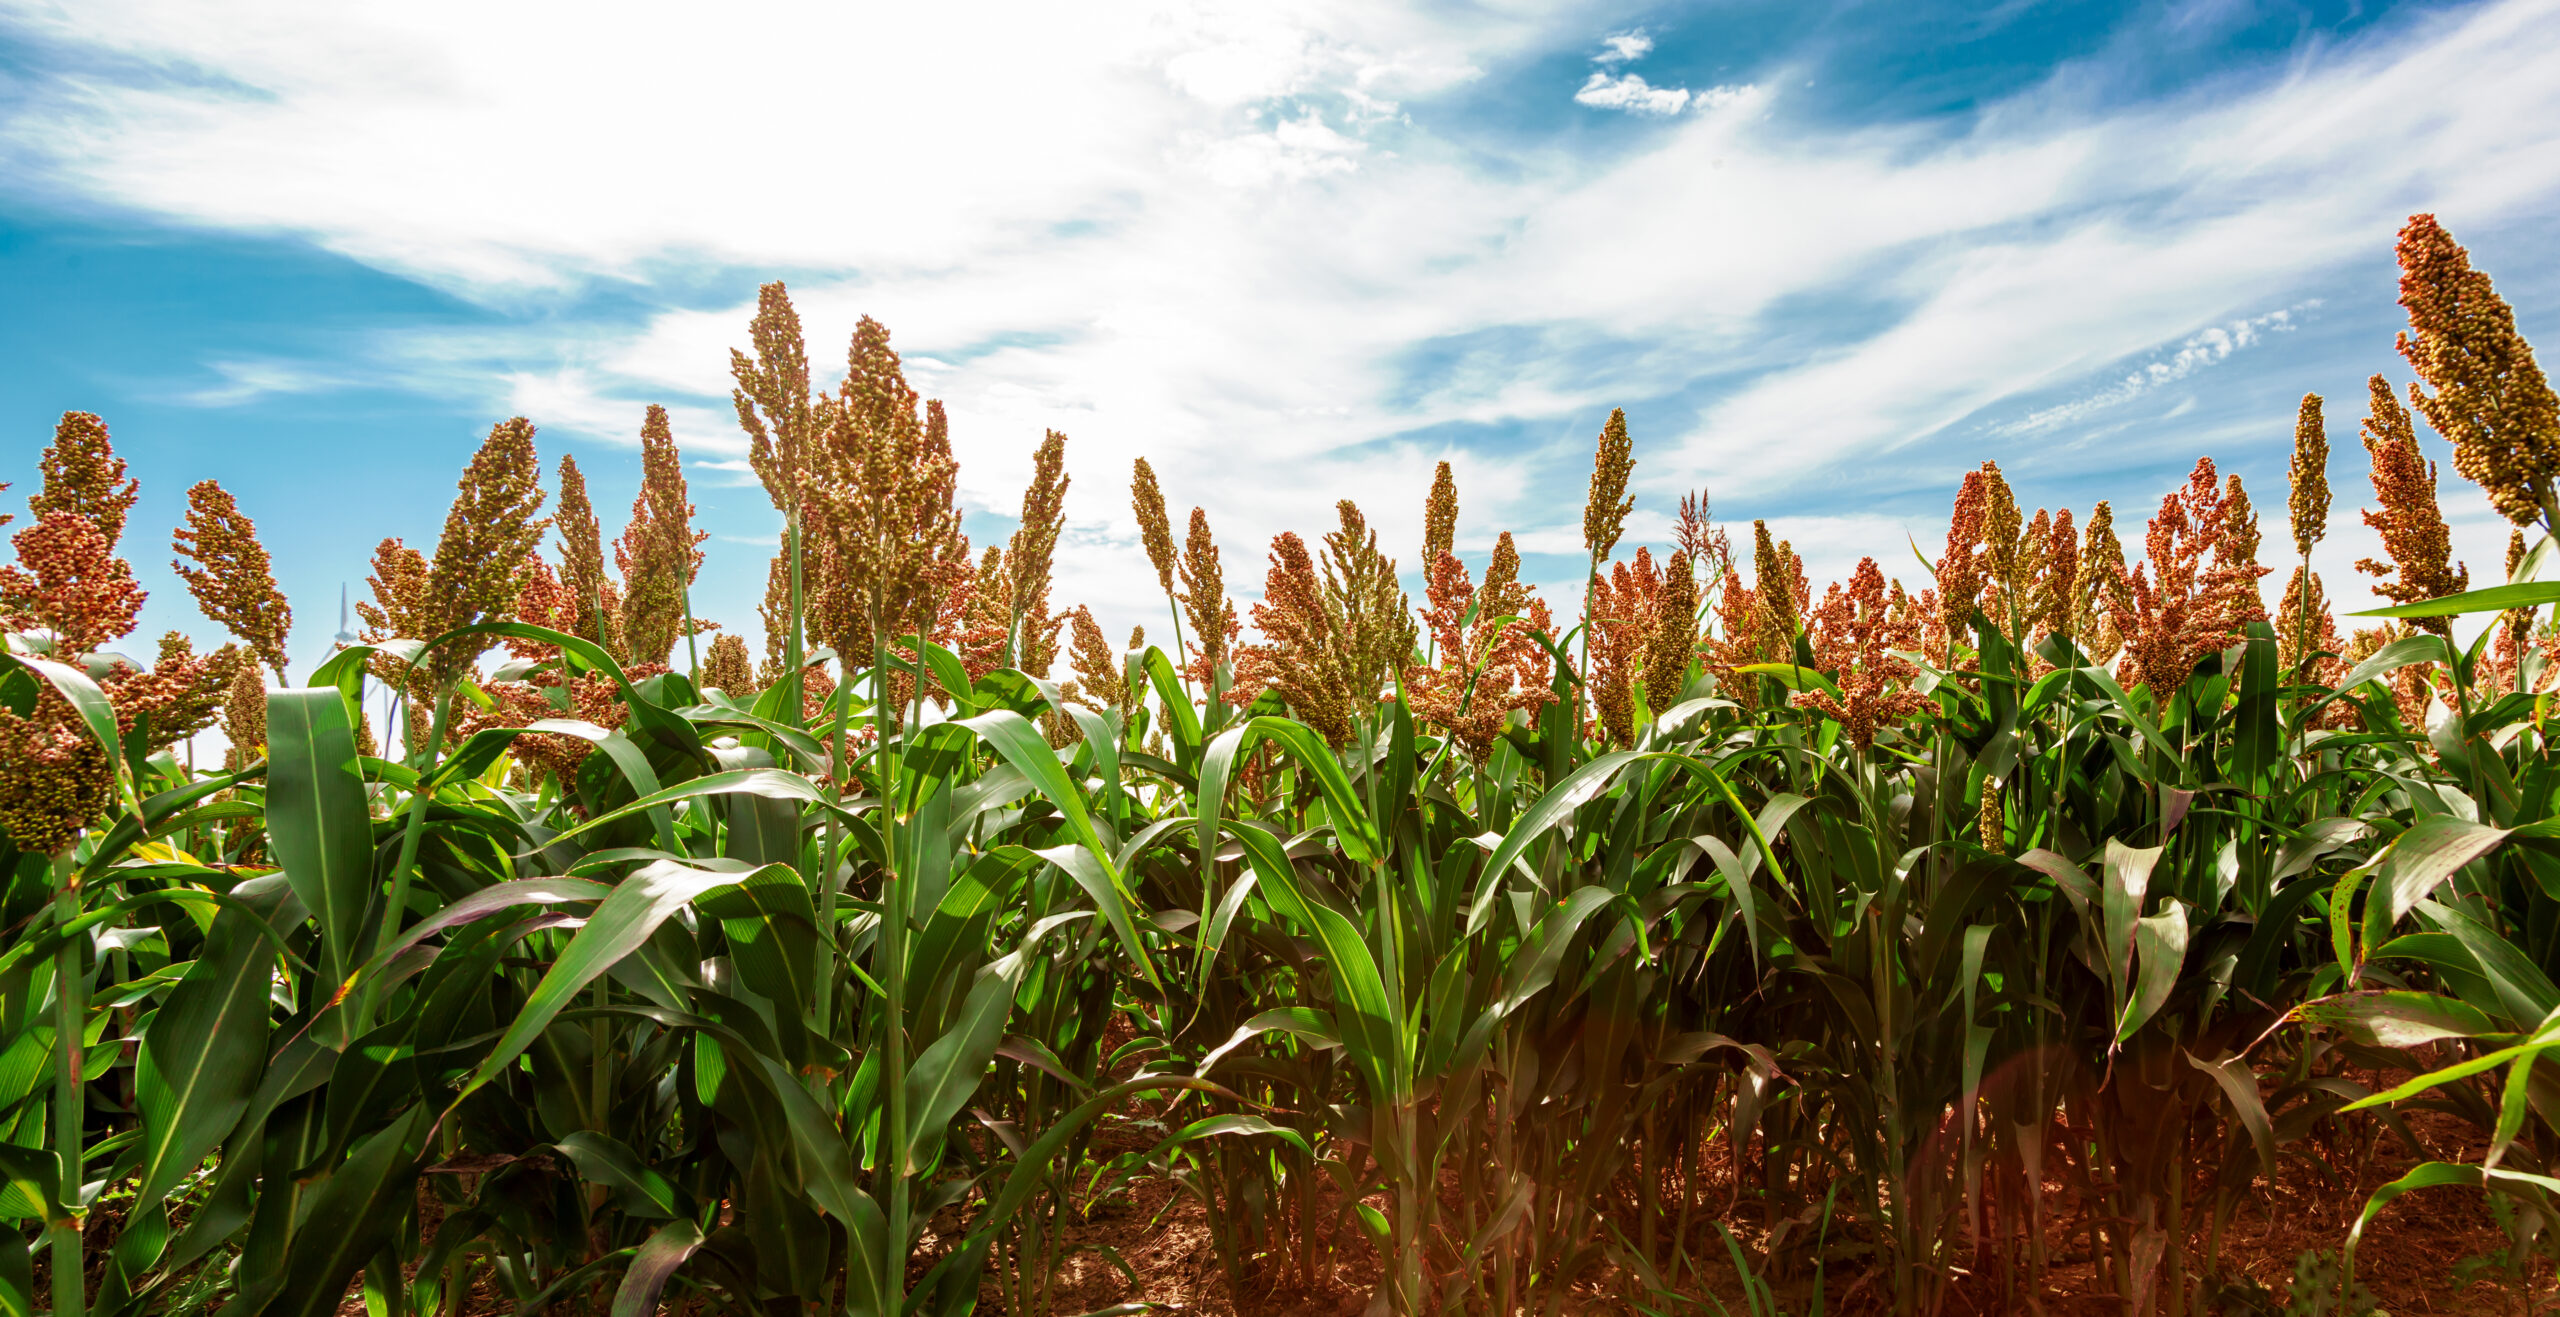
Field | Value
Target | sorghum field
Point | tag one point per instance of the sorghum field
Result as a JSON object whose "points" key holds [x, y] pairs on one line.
{"points": [[2076, 932]]}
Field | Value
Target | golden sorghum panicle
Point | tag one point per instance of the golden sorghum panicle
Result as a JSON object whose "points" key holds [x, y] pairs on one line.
{"points": [[775, 611], [1491, 666], [1100, 678], [1204, 601], [68, 581], [1155, 529], [488, 533], [1854, 634], [2308, 502], [595, 602], [1300, 658], [84, 477], [2490, 398], [1771, 585], [54, 776], [183, 692], [890, 525], [657, 553], [400, 605], [1604, 512], [725, 668], [2190, 597], [2518, 622], [2239, 547], [1372, 623], [983, 634], [2056, 588], [1675, 635], [1960, 568], [1739, 636], [244, 714], [232, 580], [1623, 603], [2411, 525], [2000, 532], [1440, 515], [2305, 597], [772, 398], [2011, 598], [1993, 830], [1033, 552], [2100, 592]]}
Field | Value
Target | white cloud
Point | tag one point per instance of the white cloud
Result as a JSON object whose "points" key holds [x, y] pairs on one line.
{"points": [[1223, 236], [1630, 92], [247, 381], [2209, 346], [1624, 47]]}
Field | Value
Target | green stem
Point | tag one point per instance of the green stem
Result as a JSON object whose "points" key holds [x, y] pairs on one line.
{"points": [[692, 650], [1181, 651], [411, 836], [70, 1006], [824, 983], [893, 982], [792, 649]]}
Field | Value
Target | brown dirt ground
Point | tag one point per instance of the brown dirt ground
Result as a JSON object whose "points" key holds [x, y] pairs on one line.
{"points": [[2407, 1258]]}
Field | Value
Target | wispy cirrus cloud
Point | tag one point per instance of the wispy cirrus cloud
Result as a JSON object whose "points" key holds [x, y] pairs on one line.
{"points": [[2210, 346]]}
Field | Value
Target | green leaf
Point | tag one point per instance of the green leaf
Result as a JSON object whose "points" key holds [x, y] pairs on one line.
{"points": [[622, 922], [771, 783], [2240, 1086], [947, 1073], [2398, 1018], [1558, 805], [2493, 599], [2160, 951], [1794, 677], [1376, 1044], [1100, 881], [30, 1185], [602, 1159], [669, 1247], [1303, 1021], [1353, 828], [317, 818], [1020, 744], [350, 1218], [2428, 854], [205, 1049]]}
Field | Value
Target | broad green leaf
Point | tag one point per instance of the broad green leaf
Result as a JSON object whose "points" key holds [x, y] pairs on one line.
{"points": [[205, 1049], [946, 1074], [1558, 805], [318, 820], [2240, 1087], [350, 1218], [622, 922], [669, 1247], [2493, 599], [602, 1159], [2428, 854], [2160, 951], [1373, 1031], [2398, 1018], [771, 783]]}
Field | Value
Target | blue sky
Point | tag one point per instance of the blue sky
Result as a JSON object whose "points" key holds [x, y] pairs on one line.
{"points": [[1828, 256]]}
